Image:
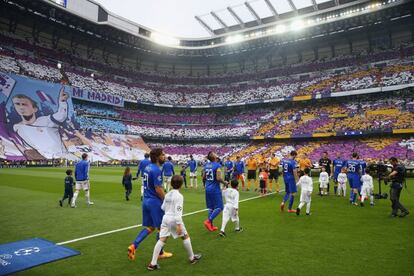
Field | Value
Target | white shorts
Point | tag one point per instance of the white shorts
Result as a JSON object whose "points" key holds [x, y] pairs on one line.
{"points": [[82, 185], [305, 196], [193, 174], [168, 228], [366, 191], [229, 212], [323, 185]]}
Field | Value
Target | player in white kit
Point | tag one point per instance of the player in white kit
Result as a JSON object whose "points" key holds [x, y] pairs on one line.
{"points": [[172, 223], [231, 208], [306, 184], [41, 133], [342, 179], [323, 181], [367, 188]]}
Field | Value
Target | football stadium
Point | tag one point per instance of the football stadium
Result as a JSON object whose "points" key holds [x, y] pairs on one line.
{"points": [[278, 139]]}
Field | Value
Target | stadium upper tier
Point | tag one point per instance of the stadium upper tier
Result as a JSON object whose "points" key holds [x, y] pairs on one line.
{"points": [[382, 113], [349, 73]]}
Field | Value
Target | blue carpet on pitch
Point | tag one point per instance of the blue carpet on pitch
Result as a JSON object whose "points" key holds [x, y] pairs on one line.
{"points": [[21, 255]]}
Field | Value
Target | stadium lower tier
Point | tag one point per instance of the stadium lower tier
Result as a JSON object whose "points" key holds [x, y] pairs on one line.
{"points": [[371, 149]]}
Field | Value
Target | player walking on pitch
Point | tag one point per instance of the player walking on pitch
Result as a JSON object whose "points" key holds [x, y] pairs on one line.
{"points": [[82, 180], [289, 176], [214, 200], [172, 224], [151, 205]]}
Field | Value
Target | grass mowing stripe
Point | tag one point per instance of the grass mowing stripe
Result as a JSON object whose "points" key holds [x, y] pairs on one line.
{"points": [[139, 225]]}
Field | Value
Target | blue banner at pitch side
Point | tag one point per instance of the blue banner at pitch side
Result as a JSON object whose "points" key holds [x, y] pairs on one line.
{"points": [[97, 97], [22, 255]]}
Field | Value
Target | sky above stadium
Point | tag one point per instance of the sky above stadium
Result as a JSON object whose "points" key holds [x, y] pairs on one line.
{"points": [[176, 18]]}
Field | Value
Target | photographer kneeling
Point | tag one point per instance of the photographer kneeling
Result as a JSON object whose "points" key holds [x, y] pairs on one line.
{"points": [[397, 178]]}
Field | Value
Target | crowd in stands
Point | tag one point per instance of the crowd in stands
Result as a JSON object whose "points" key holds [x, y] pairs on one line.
{"points": [[281, 82], [369, 149], [388, 112]]}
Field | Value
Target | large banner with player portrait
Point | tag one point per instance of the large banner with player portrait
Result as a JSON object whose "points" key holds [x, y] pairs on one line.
{"points": [[37, 122]]}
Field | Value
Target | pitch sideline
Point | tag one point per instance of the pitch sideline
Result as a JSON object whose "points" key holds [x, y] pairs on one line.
{"points": [[139, 225]]}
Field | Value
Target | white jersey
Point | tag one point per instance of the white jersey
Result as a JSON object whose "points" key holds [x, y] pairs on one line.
{"points": [[323, 177], [306, 183], [232, 197], [342, 178], [43, 135], [367, 181], [173, 206]]}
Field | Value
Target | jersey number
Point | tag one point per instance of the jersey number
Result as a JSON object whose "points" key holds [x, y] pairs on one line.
{"points": [[145, 180], [209, 174]]}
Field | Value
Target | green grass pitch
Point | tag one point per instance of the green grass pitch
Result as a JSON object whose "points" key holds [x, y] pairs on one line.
{"points": [[337, 239]]}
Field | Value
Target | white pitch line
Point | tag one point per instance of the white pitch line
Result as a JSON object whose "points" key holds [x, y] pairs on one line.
{"points": [[139, 225]]}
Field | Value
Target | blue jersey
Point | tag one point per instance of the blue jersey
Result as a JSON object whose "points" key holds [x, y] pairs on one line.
{"points": [[192, 164], [151, 177], [229, 165], [142, 165], [288, 166], [353, 167], [239, 167], [363, 166], [168, 169], [82, 170], [338, 164], [210, 170]]}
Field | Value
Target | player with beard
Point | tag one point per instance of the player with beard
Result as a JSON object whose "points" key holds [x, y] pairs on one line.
{"points": [[151, 205]]}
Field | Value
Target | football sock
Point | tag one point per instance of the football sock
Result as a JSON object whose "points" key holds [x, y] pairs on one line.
{"points": [[188, 248], [354, 198], [351, 196], [210, 211], [237, 222], [308, 207], [371, 198], [157, 237], [286, 197], [75, 196], [335, 189], [292, 198], [191, 182], [141, 236], [157, 249], [301, 204], [214, 214], [87, 194], [195, 180], [224, 223]]}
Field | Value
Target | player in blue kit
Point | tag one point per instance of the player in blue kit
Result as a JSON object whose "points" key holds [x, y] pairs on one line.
{"points": [[353, 167], [290, 177], [214, 199], [167, 173], [362, 164], [337, 166], [238, 171], [151, 206], [145, 162], [193, 171], [229, 169]]}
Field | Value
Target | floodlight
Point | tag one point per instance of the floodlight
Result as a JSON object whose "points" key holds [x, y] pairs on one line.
{"points": [[280, 29], [164, 39], [234, 38], [297, 25]]}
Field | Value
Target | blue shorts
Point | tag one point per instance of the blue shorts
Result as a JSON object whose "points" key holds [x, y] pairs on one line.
{"points": [[354, 181], [152, 213], [290, 185], [214, 200]]}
